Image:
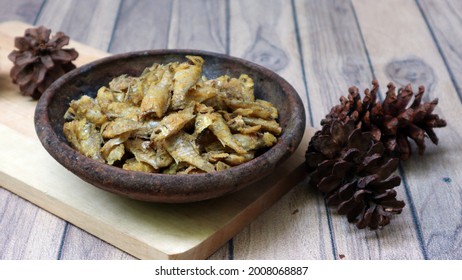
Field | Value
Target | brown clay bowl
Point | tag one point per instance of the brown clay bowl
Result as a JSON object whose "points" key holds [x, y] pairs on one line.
{"points": [[87, 79]]}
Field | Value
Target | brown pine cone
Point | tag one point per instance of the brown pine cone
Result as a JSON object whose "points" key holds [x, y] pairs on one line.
{"points": [[350, 168], [392, 121], [39, 60]]}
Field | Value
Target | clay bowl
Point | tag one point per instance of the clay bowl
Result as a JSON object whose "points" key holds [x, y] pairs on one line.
{"points": [[160, 187]]}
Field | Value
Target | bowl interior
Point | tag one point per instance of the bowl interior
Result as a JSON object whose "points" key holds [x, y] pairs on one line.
{"points": [[87, 79]]}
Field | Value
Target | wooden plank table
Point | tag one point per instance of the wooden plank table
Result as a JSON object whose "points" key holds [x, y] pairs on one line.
{"points": [[321, 48]]}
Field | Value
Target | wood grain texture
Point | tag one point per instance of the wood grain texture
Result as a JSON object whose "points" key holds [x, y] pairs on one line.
{"points": [[199, 24], [335, 59], [78, 245], [432, 181], [27, 232], [334, 55], [32, 233], [142, 25], [92, 23], [23, 237], [269, 39], [444, 19], [96, 20], [87, 21], [23, 10], [333, 40], [263, 37]]}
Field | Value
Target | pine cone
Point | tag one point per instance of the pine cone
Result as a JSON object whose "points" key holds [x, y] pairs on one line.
{"points": [[350, 168], [391, 122], [39, 60]]}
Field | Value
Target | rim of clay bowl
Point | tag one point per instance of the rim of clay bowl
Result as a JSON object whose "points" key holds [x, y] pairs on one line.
{"points": [[157, 187]]}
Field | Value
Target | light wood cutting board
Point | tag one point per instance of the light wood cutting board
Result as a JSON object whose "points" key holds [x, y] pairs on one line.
{"points": [[145, 230]]}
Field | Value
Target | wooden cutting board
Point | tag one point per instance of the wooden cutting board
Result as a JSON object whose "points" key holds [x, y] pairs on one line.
{"points": [[145, 230]]}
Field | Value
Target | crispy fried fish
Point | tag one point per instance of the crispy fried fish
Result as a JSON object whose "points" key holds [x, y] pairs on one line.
{"points": [[266, 125], [186, 76], [171, 119], [181, 147], [255, 141], [119, 127], [86, 108], [143, 152], [158, 95], [134, 165], [84, 137], [223, 133], [113, 150], [172, 124]]}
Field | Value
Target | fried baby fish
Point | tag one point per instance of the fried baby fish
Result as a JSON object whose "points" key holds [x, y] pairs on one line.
{"points": [[173, 120]]}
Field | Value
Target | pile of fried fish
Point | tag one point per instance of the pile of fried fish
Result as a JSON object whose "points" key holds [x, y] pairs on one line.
{"points": [[173, 120]]}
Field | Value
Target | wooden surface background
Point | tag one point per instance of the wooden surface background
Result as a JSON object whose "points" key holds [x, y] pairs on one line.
{"points": [[321, 48]]}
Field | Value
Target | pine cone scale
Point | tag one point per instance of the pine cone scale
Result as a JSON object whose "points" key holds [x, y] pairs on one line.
{"points": [[341, 168], [314, 159], [47, 61], [346, 206], [347, 190], [23, 59], [328, 146], [41, 33], [329, 184], [351, 154], [386, 184], [40, 75], [356, 210], [365, 181], [387, 168], [25, 78], [59, 40], [388, 194], [393, 206], [369, 163], [63, 56], [405, 118]]}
